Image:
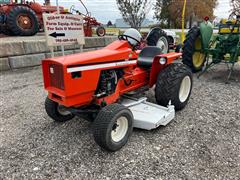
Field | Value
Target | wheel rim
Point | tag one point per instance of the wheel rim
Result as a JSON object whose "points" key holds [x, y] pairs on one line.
{"points": [[119, 129], [185, 89], [101, 31], [24, 21], [163, 44], [62, 110], [198, 57]]}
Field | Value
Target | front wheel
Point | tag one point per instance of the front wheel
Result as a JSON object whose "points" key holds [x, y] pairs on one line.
{"points": [[174, 84], [57, 112], [113, 127]]}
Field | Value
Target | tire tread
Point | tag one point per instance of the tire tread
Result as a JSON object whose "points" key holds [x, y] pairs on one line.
{"points": [[50, 107], [189, 48], [168, 82], [11, 22], [100, 124]]}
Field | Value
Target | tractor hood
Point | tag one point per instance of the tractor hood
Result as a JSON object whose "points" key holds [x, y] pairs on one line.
{"points": [[117, 51]]}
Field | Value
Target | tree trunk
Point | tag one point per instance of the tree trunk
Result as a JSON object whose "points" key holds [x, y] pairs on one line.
{"points": [[169, 23], [190, 21], [47, 2]]}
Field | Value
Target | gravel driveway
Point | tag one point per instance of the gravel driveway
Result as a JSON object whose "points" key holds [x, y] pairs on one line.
{"points": [[202, 142]]}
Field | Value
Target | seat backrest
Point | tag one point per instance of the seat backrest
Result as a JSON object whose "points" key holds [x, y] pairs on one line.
{"points": [[146, 56], [150, 51]]}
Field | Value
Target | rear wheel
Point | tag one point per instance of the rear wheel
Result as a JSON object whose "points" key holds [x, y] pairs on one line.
{"points": [[113, 127], [192, 55], [57, 112], [101, 31], [158, 37], [174, 84], [22, 21]]}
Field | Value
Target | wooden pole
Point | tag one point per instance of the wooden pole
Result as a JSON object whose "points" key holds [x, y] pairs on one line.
{"points": [[58, 12]]}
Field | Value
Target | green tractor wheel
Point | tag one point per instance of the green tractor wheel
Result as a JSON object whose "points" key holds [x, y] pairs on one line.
{"points": [[192, 56]]}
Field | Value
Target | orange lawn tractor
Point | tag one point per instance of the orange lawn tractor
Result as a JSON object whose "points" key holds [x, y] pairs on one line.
{"points": [[104, 86], [23, 18]]}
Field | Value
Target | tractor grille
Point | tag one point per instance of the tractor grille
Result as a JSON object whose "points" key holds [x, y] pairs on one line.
{"points": [[56, 76]]}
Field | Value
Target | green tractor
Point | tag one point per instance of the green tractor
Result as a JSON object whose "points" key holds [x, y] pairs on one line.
{"points": [[203, 49]]}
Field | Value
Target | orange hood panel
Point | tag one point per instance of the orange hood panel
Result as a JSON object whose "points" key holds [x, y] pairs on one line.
{"points": [[116, 51]]}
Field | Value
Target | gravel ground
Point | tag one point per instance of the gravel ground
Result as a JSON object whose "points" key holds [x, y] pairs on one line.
{"points": [[202, 142]]}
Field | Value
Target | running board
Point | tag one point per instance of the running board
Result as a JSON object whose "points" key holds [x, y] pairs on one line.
{"points": [[148, 115]]}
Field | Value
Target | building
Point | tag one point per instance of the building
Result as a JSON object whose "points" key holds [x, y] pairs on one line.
{"points": [[120, 23]]}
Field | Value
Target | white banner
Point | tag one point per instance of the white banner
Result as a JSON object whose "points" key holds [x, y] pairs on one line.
{"points": [[63, 29]]}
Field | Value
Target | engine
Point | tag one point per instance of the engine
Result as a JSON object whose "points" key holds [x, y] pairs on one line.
{"points": [[108, 82]]}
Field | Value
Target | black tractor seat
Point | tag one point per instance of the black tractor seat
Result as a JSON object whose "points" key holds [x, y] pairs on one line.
{"points": [[146, 56]]}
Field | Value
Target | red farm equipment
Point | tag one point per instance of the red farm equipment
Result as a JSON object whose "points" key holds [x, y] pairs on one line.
{"points": [[89, 22], [23, 18]]}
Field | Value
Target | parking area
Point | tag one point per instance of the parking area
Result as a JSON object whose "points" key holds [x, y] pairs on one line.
{"points": [[202, 142]]}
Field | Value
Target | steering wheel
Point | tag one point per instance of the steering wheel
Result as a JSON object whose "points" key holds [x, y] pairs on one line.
{"points": [[125, 38]]}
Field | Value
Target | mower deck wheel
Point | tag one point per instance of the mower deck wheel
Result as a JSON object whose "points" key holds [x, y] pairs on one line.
{"points": [[56, 112], [174, 84], [113, 127]]}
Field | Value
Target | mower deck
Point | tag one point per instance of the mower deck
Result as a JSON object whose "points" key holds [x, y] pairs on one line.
{"points": [[147, 115]]}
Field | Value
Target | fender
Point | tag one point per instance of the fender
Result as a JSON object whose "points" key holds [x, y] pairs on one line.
{"points": [[157, 67], [206, 31]]}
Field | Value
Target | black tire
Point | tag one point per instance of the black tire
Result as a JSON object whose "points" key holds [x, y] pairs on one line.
{"points": [[154, 36], [171, 40], [178, 48], [88, 117], [101, 31], [106, 121], [12, 21], [169, 83], [5, 31], [52, 109], [189, 50]]}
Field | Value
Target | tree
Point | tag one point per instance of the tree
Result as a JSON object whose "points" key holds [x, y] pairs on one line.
{"points": [[134, 11], [109, 23], [195, 10], [235, 6], [162, 11], [47, 2]]}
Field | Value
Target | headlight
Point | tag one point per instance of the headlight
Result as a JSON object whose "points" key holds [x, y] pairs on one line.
{"points": [[163, 61]]}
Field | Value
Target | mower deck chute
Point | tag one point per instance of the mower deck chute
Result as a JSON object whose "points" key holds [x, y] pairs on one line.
{"points": [[147, 115]]}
